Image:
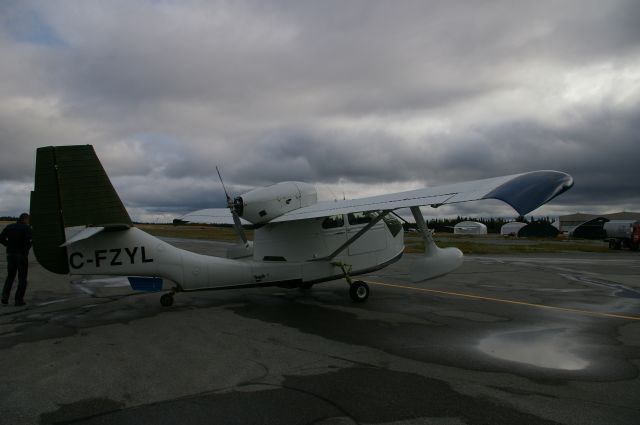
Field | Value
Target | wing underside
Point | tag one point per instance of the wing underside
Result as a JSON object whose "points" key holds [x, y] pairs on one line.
{"points": [[209, 216], [524, 192]]}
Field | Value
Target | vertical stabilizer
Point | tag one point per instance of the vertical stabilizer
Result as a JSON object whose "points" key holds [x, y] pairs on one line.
{"points": [[46, 215], [71, 189]]}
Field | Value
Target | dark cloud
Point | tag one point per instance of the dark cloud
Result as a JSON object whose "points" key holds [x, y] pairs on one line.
{"points": [[364, 93], [596, 148]]}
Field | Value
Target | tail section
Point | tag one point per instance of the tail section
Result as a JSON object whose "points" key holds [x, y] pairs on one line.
{"points": [[71, 189], [80, 226]]}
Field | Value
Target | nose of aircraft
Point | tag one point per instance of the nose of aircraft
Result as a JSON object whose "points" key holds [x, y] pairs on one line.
{"points": [[238, 205]]}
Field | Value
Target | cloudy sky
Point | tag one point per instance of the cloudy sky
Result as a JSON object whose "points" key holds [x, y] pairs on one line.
{"points": [[360, 96]]}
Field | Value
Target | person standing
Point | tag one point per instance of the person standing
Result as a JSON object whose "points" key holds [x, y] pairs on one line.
{"points": [[17, 238]]}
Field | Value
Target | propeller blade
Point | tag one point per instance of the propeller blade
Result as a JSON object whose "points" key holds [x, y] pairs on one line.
{"points": [[238, 227], [223, 187], [237, 224]]}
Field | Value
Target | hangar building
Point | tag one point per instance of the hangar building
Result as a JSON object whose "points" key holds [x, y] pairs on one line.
{"points": [[512, 228], [568, 223], [590, 226], [536, 229], [469, 228]]}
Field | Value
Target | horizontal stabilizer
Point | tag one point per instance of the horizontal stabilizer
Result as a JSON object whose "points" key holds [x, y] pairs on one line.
{"points": [[83, 234]]}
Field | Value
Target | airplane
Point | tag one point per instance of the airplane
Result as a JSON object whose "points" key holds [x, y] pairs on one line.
{"points": [[81, 227]]}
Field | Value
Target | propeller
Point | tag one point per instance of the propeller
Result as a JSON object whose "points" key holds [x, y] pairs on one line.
{"points": [[237, 224]]}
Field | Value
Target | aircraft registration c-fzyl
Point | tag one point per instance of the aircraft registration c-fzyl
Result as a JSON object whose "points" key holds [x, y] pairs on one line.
{"points": [[81, 227]]}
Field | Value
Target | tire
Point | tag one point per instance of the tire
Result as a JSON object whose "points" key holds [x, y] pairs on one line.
{"points": [[612, 244], [166, 300], [359, 291]]}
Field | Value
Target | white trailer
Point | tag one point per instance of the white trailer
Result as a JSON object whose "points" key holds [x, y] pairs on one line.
{"points": [[623, 233]]}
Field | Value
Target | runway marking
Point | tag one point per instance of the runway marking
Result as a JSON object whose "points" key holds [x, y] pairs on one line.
{"points": [[502, 300]]}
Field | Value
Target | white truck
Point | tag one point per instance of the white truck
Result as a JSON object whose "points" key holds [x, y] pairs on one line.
{"points": [[623, 233]]}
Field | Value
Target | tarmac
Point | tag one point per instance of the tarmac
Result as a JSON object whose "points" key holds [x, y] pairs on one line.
{"points": [[522, 339]]}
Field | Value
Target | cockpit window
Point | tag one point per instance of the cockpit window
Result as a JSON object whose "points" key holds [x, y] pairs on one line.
{"points": [[361, 217], [333, 221], [393, 225]]}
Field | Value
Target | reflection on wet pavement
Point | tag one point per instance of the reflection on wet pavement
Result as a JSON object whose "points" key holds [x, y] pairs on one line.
{"points": [[548, 348]]}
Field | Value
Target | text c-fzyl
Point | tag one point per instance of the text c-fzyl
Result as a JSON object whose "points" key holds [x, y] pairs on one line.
{"points": [[110, 257]]}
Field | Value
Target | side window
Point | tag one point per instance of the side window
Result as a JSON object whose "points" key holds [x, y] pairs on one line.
{"points": [[360, 217], [333, 221], [393, 225]]}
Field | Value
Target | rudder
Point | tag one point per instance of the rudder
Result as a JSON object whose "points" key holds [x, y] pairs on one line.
{"points": [[71, 189]]}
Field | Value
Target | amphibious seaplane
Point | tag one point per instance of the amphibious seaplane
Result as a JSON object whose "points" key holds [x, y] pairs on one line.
{"points": [[81, 227]]}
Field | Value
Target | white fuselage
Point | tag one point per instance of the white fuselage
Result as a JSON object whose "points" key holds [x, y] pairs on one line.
{"points": [[283, 253]]}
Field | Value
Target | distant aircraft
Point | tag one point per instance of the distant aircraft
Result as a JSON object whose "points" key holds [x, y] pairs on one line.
{"points": [[81, 227]]}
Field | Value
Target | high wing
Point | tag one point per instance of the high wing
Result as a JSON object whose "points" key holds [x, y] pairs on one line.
{"points": [[524, 192], [210, 216]]}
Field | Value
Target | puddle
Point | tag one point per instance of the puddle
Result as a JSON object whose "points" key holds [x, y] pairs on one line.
{"points": [[546, 348]]}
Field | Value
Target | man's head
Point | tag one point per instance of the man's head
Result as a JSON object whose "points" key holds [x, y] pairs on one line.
{"points": [[24, 218]]}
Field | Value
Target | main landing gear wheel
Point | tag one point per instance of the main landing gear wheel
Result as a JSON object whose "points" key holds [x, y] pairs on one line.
{"points": [[359, 291], [166, 300]]}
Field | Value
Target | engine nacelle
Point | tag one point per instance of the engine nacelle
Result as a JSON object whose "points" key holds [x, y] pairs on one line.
{"points": [[266, 203]]}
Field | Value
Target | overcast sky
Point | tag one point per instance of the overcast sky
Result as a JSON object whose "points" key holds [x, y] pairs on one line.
{"points": [[361, 96]]}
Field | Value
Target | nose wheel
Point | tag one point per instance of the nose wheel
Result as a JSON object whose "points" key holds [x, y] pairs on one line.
{"points": [[358, 290]]}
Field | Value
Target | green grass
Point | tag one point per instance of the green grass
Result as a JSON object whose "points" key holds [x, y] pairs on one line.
{"points": [[193, 232]]}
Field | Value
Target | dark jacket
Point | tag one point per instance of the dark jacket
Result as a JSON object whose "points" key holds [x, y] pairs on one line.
{"points": [[17, 238]]}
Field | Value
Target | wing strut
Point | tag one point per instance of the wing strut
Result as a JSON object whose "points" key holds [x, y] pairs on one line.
{"points": [[427, 234], [355, 237]]}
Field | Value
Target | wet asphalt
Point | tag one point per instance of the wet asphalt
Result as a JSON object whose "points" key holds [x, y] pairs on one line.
{"points": [[523, 339]]}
